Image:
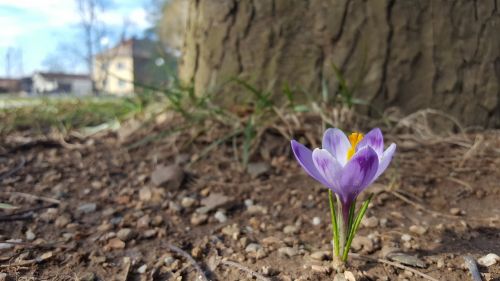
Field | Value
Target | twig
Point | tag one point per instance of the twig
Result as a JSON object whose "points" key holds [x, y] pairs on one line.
{"points": [[35, 197], [470, 262], [395, 264], [13, 170], [37, 260], [190, 259], [245, 269], [25, 214]]}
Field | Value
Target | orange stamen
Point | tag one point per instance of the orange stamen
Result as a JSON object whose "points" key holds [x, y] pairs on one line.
{"points": [[354, 139]]}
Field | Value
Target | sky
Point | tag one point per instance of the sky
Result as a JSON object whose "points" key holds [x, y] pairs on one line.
{"points": [[34, 30]]}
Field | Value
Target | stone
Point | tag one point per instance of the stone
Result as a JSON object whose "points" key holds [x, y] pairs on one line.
{"points": [[418, 229], [168, 260], [325, 269], [49, 215], [125, 234], [316, 221], [406, 237], [196, 252], [115, 243], [150, 233], [62, 221], [248, 202], [145, 194], [170, 176], [231, 231], [369, 222], [198, 219], [362, 243], [188, 202], [89, 276], [87, 208], [3, 276], [288, 251], [253, 248], [290, 229], [349, 276], [142, 269], [407, 260], [257, 209], [488, 260], [455, 211], [320, 255], [143, 222], [339, 277], [213, 201], [257, 169], [30, 236], [220, 216]]}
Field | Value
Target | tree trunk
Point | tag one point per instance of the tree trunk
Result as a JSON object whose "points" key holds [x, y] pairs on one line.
{"points": [[410, 54]]}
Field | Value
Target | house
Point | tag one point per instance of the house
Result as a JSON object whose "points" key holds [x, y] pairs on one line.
{"points": [[129, 67], [43, 83], [9, 85]]}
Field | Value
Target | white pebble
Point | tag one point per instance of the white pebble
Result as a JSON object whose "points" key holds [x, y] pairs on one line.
{"points": [[488, 260], [248, 202], [142, 269], [405, 237], [220, 216], [316, 221]]}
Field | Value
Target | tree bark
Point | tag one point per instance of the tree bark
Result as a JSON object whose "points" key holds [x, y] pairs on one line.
{"points": [[410, 54]]}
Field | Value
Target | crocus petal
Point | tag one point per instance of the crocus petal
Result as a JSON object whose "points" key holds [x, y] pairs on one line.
{"points": [[304, 157], [337, 143], [359, 172], [328, 167], [386, 160], [375, 140]]}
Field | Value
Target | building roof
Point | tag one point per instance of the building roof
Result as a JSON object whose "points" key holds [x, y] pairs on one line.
{"points": [[143, 48], [60, 75]]}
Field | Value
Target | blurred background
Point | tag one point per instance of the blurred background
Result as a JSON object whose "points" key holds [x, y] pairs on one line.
{"points": [[382, 58]]}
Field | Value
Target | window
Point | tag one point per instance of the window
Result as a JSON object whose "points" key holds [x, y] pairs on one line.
{"points": [[122, 83]]}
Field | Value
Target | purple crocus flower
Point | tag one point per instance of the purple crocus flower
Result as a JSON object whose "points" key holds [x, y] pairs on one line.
{"points": [[346, 165]]}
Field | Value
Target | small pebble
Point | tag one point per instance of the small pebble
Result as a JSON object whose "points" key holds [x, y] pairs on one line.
{"points": [[198, 219], [488, 260], [290, 229], [30, 236], [370, 222], [455, 211], [288, 251], [325, 269], [124, 234], [316, 221], [320, 255], [253, 247], [220, 216], [349, 276], [418, 229], [142, 269], [87, 208], [248, 202], [188, 202], [406, 237], [115, 243]]}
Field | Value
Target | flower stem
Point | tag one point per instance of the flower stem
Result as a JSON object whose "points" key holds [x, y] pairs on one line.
{"points": [[354, 227], [335, 229]]}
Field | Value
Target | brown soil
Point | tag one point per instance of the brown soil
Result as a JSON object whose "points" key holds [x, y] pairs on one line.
{"points": [[425, 182]]}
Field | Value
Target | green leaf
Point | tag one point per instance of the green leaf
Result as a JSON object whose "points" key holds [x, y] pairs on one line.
{"points": [[355, 226], [7, 206], [335, 227], [301, 108]]}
